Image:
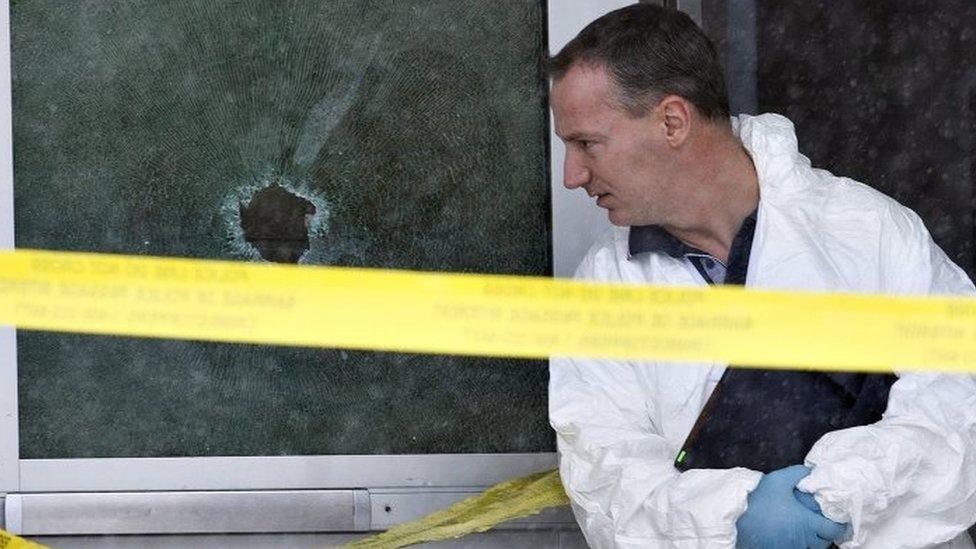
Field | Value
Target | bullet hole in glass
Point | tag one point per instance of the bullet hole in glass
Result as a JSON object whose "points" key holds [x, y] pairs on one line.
{"points": [[276, 223]]}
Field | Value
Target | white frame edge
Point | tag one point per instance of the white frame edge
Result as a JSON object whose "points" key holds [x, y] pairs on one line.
{"points": [[13, 516], [9, 423], [434, 471]]}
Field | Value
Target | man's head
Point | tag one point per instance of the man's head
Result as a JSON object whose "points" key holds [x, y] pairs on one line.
{"points": [[650, 52], [631, 94]]}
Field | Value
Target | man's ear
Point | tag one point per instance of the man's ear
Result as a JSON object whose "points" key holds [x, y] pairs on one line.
{"points": [[675, 111]]}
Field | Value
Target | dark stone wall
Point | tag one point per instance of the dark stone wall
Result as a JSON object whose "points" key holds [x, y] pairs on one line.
{"points": [[884, 92]]}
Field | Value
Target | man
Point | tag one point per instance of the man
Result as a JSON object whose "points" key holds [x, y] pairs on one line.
{"points": [[639, 99]]}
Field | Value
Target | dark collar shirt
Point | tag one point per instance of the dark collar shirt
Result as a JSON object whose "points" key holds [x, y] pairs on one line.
{"points": [[654, 239]]}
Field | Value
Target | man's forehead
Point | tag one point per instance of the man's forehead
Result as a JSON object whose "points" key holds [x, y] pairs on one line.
{"points": [[582, 98], [584, 84]]}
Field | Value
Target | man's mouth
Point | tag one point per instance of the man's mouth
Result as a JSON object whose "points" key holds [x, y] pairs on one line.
{"points": [[601, 199]]}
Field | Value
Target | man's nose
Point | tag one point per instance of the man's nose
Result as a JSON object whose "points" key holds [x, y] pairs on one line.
{"points": [[575, 173]]}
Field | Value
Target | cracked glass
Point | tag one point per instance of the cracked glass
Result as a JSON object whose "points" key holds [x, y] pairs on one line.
{"points": [[407, 135]]}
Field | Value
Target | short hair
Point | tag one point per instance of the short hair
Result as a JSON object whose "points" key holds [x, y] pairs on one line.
{"points": [[650, 52]]}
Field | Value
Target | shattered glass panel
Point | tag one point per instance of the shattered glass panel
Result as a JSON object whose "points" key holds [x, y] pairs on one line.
{"points": [[407, 134]]}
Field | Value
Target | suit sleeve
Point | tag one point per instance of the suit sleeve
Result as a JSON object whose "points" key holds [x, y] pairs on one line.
{"points": [[908, 480], [618, 471]]}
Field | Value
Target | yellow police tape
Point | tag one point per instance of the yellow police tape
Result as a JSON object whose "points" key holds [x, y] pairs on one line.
{"points": [[512, 499], [489, 315], [10, 541], [479, 315]]}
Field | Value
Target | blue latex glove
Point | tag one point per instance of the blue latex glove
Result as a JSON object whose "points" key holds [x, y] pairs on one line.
{"points": [[775, 518], [808, 501]]}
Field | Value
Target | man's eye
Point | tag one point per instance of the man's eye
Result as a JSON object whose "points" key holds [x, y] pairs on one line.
{"points": [[585, 144]]}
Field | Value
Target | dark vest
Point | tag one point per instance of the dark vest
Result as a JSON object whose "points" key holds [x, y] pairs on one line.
{"points": [[766, 419], [769, 419]]}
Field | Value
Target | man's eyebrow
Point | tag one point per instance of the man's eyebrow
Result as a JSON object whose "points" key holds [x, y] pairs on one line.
{"points": [[580, 136]]}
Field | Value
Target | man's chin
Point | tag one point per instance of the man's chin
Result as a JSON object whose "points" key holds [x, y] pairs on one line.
{"points": [[617, 219]]}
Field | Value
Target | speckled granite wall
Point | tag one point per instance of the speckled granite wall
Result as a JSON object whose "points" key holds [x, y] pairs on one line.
{"points": [[884, 92]]}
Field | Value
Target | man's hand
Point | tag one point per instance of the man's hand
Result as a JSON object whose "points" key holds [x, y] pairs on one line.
{"points": [[808, 501], [776, 519]]}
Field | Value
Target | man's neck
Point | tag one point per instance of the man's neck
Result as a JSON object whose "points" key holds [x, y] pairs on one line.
{"points": [[726, 192]]}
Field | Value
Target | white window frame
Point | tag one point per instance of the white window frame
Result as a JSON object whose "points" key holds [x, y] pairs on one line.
{"points": [[420, 482], [9, 429]]}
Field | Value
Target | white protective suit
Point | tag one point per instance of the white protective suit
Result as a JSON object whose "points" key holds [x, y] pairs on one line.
{"points": [[907, 481]]}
